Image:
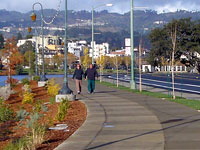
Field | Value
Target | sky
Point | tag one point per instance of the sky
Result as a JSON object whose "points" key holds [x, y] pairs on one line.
{"points": [[120, 6]]}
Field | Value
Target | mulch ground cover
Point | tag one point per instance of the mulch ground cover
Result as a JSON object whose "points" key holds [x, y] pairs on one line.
{"points": [[10, 130]]}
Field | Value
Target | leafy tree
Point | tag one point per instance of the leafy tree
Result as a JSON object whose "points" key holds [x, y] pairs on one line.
{"points": [[58, 60], [86, 60], [12, 56], [29, 59], [19, 36], [1, 41], [29, 36], [19, 69], [26, 47], [188, 39], [70, 59], [1, 65]]}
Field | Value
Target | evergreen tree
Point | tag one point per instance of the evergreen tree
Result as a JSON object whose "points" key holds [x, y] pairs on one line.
{"points": [[1, 41], [19, 36]]}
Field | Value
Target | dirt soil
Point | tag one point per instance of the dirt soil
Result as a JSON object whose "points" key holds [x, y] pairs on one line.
{"points": [[10, 131]]}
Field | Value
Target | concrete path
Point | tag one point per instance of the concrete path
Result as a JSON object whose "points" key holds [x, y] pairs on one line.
{"points": [[119, 120]]}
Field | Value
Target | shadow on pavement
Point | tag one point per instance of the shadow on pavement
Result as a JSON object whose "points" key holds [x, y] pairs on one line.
{"points": [[143, 134]]}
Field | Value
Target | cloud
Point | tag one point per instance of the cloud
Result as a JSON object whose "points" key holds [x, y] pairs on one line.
{"points": [[120, 6]]}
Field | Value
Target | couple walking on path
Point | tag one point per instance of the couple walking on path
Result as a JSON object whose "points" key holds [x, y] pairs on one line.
{"points": [[89, 74]]}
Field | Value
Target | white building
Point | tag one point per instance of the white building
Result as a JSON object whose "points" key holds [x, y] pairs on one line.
{"points": [[128, 47], [99, 49], [77, 47], [23, 41]]}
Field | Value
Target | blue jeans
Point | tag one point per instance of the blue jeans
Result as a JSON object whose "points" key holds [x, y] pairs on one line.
{"points": [[91, 85]]}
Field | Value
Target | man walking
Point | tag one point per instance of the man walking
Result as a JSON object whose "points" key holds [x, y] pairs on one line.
{"points": [[90, 74], [78, 73]]}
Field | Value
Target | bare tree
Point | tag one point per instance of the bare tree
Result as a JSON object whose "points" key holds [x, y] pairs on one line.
{"points": [[173, 37], [140, 65], [116, 61], [127, 61]]}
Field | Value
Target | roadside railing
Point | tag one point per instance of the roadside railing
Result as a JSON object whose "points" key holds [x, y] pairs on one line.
{"points": [[181, 89]]}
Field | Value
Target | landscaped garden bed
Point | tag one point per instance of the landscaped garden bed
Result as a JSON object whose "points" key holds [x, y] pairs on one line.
{"points": [[31, 111]]}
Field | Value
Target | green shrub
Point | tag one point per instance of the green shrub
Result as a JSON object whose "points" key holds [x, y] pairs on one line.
{"points": [[27, 98], [33, 120], [62, 109], [36, 78], [52, 100], [25, 81], [19, 69], [6, 113], [37, 106], [19, 144], [52, 88], [21, 115]]}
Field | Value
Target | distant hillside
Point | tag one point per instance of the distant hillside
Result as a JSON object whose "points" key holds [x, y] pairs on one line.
{"points": [[112, 27], [144, 20]]}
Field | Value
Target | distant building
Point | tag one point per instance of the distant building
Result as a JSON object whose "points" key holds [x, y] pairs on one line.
{"points": [[128, 47], [99, 49], [77, 47]]}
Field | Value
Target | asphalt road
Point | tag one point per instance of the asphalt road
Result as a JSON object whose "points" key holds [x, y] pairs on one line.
{"points": [[183, 82]]}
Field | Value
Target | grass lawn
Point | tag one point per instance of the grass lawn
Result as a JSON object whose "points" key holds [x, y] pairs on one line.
{"points": [[195, 104]]}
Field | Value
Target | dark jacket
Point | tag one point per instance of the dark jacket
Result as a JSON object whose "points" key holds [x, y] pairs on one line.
{"points": [[78, 73], [91, 73]]}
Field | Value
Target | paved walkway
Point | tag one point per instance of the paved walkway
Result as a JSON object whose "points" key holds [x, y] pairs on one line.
{"points": [[119, 120]]}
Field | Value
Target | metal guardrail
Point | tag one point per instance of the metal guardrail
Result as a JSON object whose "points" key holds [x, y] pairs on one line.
{"points": [[161, 86]]}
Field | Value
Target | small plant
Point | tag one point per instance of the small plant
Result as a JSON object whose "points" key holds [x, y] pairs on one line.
{"points": [[21, 115], [37, 131], [36, 78], [6, 113], [62, 109], [27, 98], [50, 121], [52, 100], [26, 88], [36, 136], [25, 81], [19, 144], [33, 120], [37, 106], [53, 88], [13, 82]]}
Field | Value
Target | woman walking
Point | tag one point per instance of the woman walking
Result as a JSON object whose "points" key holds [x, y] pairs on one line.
{"points": [[78, 74]]}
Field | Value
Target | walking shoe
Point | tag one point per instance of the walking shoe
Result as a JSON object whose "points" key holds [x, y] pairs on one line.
{"points": [[89, 92], [79, 92]]}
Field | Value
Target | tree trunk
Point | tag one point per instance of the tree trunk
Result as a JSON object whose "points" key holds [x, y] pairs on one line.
{"points": [[127, 68], [100, 74], [117, 78], [173, 36], [140, 67]]}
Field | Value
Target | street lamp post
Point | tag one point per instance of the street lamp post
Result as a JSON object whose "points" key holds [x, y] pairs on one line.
{"points": [[93, 8], [36, 59], [65, 89], [133, 86], [29, 57], [33, 17]]}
